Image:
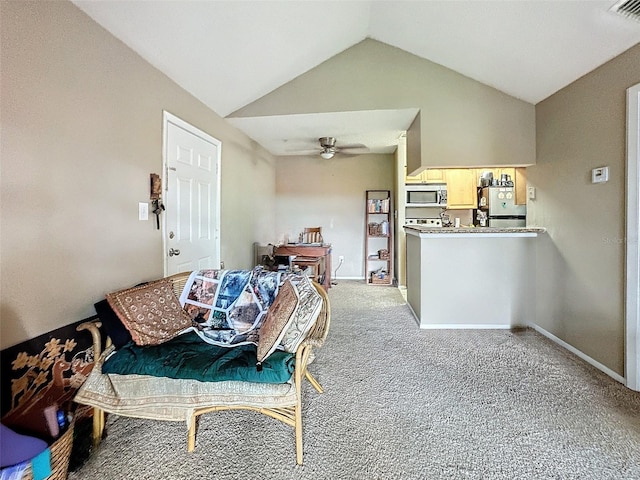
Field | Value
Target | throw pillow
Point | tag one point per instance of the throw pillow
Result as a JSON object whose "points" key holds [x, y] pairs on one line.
{"points": [[112, 324], [279, 317], [152, 313], [309, 307]]}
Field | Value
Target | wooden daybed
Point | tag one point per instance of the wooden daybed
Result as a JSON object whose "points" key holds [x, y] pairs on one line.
{"points": [[160, 398]]}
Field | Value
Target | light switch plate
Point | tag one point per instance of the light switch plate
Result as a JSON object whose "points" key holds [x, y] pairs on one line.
{"points": [[600, 175], [531, 193], [143, 211]]}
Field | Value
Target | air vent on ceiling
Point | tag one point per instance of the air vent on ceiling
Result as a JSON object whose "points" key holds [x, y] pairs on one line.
{"points": [[628, 8]]}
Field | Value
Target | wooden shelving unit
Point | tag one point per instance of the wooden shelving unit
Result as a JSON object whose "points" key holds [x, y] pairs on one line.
{"points": [[378, 248]]}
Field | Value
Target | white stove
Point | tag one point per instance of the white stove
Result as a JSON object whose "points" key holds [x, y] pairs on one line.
{"points": [[425, 222]]}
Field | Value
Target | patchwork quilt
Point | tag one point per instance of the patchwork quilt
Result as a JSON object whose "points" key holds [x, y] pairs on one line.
{"points": [[228, 306]]}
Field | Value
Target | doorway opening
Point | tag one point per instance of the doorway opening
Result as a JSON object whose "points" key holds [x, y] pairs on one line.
{"points": [[191, 190]]}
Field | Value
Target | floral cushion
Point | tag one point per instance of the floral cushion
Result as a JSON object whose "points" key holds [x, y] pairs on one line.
{"points": [[309, 307], [279, 317], [151, 312]]}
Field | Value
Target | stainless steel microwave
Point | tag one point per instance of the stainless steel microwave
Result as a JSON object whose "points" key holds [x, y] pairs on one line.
{"points": [[426, 195]]}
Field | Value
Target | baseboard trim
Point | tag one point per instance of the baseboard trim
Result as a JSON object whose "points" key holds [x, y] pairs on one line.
{"points": [[578, 353], [471, 326], [415, 317]]}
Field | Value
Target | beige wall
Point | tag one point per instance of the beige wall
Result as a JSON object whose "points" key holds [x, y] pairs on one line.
{"points": [[314, 192], [463, 122], [581, 262], [399, 246], [81, 132], [413, 143]]}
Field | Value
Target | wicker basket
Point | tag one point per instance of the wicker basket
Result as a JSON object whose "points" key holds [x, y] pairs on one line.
{"points": [[60, 453], [383, 254], [376, 280]]}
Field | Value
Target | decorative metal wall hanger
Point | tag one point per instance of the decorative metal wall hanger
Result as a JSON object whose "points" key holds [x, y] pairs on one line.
{"points": [[156, 197], [158, 207]]}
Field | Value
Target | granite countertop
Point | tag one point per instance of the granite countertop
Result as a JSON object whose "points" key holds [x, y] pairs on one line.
{"points": [[474, 230]]}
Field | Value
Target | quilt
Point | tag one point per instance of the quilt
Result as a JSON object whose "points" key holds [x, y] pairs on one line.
{"points": [[227, 307]]}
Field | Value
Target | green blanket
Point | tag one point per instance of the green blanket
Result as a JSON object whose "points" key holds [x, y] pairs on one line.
{"points": [[188, 357]]}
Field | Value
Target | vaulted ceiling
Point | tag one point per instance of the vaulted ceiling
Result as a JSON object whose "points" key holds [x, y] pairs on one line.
{"points": [[229, 54]]}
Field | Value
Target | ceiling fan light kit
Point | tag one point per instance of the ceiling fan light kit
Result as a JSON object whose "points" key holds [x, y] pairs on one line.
{"points": [[327, 142], [329, 148], [328, 145]]}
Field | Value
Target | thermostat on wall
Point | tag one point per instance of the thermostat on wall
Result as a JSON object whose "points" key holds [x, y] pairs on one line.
{"points": [[600, 175]]}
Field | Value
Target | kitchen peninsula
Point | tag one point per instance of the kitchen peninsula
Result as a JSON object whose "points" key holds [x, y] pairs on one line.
{"points": [[471, 277]]}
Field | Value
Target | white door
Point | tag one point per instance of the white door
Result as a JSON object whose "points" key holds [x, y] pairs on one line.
{"points": [[191, 197]]}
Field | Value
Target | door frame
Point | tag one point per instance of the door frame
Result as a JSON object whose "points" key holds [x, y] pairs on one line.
{"points": [[169, 118], [632, 276]]}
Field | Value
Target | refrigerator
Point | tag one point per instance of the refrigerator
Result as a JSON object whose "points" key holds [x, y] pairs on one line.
{"points": [[499, 204]]}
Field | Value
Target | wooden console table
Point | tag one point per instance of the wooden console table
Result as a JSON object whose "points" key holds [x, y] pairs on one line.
{"points": [[309, 250]]}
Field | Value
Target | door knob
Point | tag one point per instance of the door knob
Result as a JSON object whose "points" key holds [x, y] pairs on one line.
{"points": [[173, 251]]}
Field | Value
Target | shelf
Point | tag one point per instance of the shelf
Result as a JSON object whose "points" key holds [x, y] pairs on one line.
{"points": [[378, 205], [379, 227]]}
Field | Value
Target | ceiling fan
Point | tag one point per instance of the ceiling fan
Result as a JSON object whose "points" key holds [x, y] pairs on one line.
{"points": [[329, 148]]}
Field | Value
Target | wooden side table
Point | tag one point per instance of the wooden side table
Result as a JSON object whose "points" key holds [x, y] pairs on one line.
{"points": [[310, 250]]}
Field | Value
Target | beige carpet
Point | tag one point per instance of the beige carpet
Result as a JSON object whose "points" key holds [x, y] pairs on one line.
{"points": [[401, 403]]}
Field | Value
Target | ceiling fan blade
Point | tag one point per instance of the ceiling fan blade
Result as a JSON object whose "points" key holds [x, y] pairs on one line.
{"points": [[351, 145], [354, 150], [309, 151], [347, 150]]}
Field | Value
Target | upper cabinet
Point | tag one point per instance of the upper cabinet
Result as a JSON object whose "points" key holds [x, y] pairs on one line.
{"points": [[462, 183], [462, 188], [430, 175], [414, 179], [434, 175], [520, 182]]}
